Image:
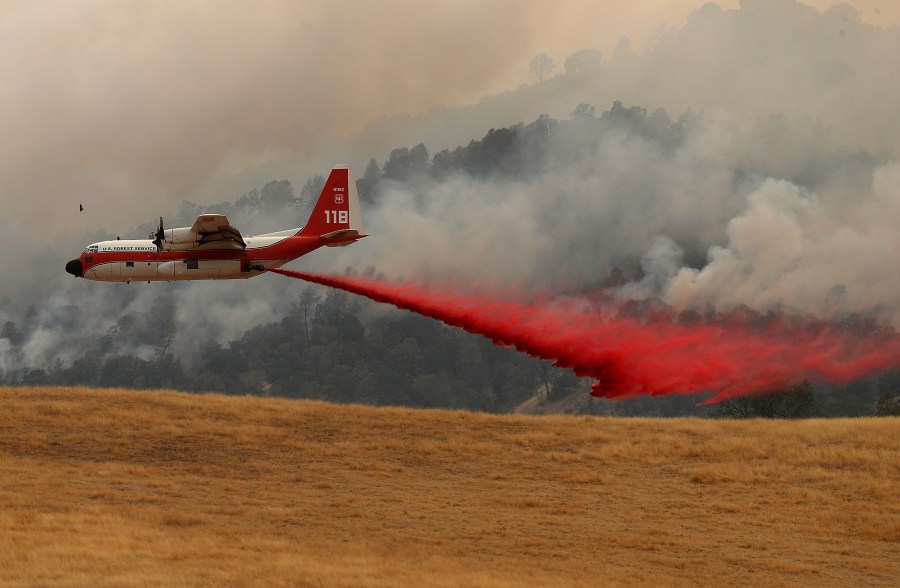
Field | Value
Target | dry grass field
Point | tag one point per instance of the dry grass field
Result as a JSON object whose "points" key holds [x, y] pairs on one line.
{"points": [[115, 487]]}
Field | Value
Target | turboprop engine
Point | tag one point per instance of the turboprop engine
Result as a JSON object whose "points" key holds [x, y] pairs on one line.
{"points": [[183, 235], [180, 239]]}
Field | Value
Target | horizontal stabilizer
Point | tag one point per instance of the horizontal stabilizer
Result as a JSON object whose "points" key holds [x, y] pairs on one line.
{"points": [[341, 238]]}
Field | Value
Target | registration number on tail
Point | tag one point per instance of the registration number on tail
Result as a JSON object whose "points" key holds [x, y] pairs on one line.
{"points": [[340, 217]]}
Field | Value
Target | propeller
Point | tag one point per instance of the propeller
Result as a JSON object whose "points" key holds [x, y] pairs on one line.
{"points": [[160, 236]]}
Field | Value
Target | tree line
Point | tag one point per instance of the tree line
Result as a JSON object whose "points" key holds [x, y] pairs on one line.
{"points": [[322, 348]]}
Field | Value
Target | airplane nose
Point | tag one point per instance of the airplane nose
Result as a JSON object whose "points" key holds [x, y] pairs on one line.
{"points": [[74, 268]]}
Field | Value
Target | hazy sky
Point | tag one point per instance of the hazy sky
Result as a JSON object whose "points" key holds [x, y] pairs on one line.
{"points": [[130, 106]]}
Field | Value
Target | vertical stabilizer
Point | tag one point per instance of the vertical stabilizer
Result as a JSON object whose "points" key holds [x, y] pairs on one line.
{"points": [[337, 216]]}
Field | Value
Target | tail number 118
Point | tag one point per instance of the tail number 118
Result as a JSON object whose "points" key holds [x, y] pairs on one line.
{"points": [[340, 217]]}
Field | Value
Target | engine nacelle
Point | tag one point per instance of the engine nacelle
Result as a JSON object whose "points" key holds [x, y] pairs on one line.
{"points": [[166, 246], [181, 236]]}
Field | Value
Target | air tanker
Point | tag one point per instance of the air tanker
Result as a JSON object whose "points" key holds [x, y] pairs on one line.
{"points": [[212, 249]]}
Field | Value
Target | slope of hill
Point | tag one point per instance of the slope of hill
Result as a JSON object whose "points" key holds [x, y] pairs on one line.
{"points": [[114, 487]]}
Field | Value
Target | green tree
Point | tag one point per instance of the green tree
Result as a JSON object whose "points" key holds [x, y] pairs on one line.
{"points": [[276, 194], [10, 332], [122, 371], [84, 370], [584, 62], [564, 382], [367, 185], [311, 189], [403, 163], [435, 390], [35, 378], [584, 112], [795, 402], [306, 303], [889, 394], [541, 66]]}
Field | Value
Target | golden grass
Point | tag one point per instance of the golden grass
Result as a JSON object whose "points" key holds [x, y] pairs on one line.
{"points": [[114, 487]]}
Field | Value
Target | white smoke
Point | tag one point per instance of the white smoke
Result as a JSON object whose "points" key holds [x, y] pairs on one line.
{"points": [[791, 251], [770, 244]]}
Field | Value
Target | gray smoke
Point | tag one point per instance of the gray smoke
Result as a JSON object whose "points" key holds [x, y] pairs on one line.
{"points": [[781, 194], [792, 250], [764, 242], [782, 197]]}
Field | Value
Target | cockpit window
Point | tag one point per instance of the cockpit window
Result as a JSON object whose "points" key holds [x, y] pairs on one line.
{"points": [[91, 249]]}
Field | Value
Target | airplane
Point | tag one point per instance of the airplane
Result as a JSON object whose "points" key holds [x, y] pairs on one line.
{"points": [[212, 249]]}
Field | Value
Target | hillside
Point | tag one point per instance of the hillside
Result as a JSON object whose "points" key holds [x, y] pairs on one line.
{"points": [[115, 487]]}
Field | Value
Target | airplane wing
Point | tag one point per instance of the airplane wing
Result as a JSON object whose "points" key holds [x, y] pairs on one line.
{"points": [[215, 232]]}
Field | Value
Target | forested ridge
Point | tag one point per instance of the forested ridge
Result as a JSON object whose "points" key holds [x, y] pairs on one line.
{"points": [[341, 348]]}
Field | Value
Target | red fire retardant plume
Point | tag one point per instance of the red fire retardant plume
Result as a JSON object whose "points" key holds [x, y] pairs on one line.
{"points": [[656, 356]]}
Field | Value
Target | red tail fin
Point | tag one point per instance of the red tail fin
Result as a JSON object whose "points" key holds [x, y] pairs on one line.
{"points": [[337, 213]]}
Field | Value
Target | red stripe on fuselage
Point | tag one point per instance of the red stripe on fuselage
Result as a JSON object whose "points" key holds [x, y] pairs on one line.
{"points": [[285, 249]]}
